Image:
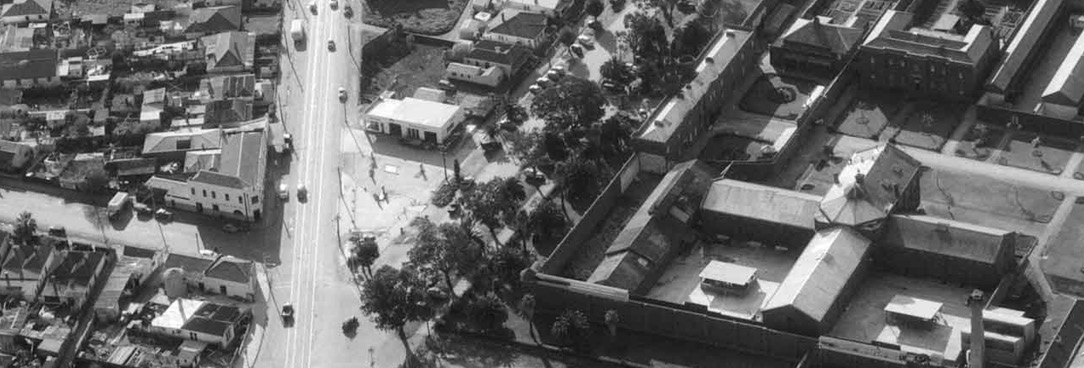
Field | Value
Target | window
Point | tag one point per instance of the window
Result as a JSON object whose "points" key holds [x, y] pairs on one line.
{"points": [[227, 197], [214, 207], [184, 144], [241, 200], [192, 335], [213, 195], [193, 191], [205, 193], [255, 199]]}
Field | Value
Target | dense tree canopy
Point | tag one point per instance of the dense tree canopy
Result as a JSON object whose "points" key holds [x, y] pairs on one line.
{"points": [[393, 297], [573, 102]]}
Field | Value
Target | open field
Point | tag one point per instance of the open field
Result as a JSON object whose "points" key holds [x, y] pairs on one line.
{"points": [[422, 67], [431, 17]]}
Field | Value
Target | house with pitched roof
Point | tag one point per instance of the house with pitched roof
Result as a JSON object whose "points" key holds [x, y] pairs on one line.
{"points": [[172, 146], [515, 27], [235, 189], [23, 69], [1062, 97], [951, 251], [26, 11], [815, 46], [72, 281], [229, 51], [492, 76], [898, 56], [25, 266], [509, 58], [211, 20], [228, 111], [198, 320], [222, 274]]}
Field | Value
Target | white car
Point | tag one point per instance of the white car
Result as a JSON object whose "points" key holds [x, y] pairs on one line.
{"points": [[586, 40], [342, 94], [284, 191]]}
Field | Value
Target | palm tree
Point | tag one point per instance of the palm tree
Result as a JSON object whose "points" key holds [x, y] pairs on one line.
{"points": [[25, 227]]}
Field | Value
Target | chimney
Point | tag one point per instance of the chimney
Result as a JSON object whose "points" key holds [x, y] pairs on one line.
{"points": [[502, 17], [977, 354], [859, 178]]}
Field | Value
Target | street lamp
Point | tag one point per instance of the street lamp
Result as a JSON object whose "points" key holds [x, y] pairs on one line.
{"points": [[444, 164]]}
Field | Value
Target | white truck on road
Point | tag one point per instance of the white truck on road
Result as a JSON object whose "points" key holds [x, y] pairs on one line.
{"points": [[297, 30], [119, 202]]}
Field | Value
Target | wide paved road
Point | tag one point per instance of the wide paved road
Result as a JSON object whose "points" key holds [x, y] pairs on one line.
{"points": [[312, 276]]}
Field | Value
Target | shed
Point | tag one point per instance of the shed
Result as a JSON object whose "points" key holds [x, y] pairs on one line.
{"points": [[756, 212], [809, 298], [727, 275]]}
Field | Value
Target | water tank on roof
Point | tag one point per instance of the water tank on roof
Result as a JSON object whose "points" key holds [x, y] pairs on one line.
{"points": [[174, 283]]}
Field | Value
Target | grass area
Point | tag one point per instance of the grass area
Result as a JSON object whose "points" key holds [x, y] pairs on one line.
{"points": [[431, 17], [980, 142], [928, 126], [868, 115], [1050, 156], [991, 202], [423, 66], [779, 96]]}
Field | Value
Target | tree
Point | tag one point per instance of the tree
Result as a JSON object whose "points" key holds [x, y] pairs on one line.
{"points": [[458, 51], [526, 310], [364, 253], [571, 327], [548, 219], [666, 6], [25, 227], [616, 70], [95, 180], [566, 37], [495, 202], [393, 297], [646, 37], [504, 267], [487, 312], [690, 39], [515, 113], [615, 133], [444, 248], [580, 177], [595, 7], [572, 102]]}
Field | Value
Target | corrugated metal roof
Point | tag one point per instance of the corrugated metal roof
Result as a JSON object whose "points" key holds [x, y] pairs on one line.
{"points": [[821, 272], [885, 173], [945, 237], [760, 202]]}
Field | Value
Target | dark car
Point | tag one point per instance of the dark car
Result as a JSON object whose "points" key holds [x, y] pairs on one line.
{"points": [[330, 45], [348, 11], [58, 231], [287, 314]]}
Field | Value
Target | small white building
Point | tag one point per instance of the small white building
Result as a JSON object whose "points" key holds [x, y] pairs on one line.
{"points": [[414, 118], [491, 76], [198, 320], [547, 7]]}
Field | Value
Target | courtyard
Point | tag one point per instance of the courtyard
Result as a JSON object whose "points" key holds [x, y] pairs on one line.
{"points": [[927, 125], [989, 202], [868, 113], [1044, 154], [779, 96]]}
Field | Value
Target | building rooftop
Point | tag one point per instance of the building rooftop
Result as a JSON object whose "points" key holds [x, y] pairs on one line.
{"points": [[819, 33], [243, 157], [21, 8], [665, 120], [78, 267], [178, 313], [826, 265], [214, 19], [229, 86], [1067, 85], [762, 202], [499, 53], [28, 64], [180, 141], [517, 23], [1023, 44], [213, 319], [889, 34], [547, 4], [945, 237], [415, 111], [728, 272], [869, 186], [229, 49]]}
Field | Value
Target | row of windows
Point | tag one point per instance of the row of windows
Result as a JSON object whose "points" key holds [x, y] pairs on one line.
{"points": [[933, 67], [255, 199]]}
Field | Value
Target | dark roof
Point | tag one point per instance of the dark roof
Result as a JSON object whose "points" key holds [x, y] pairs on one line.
{"points": [[229, 49], [869, 186], [625, 270], [889, 33], [26, 259], [222, 180], [499, 53], [243, 157], [215, 19], [945, 237], [28, 64], [688, 180], [230, 86], [131, 251], [29, 7], [230, 269], [213, 319], [821, 272], [835, 38], [206, 325], [131, 167], [522, 25], [187, 263], [78, 267], [1027, 39], [228, 111], [760, 202]]}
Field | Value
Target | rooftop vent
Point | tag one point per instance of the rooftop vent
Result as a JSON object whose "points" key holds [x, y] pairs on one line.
{"points": [[730, 33]]}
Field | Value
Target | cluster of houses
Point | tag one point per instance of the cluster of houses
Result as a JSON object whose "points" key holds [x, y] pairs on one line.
{"points": [[189, 112]]}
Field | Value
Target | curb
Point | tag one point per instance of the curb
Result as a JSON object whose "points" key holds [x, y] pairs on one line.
{"points": [[546, 349]]}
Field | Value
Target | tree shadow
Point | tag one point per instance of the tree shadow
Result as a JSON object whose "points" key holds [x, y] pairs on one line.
{"points": [[469, 352]]}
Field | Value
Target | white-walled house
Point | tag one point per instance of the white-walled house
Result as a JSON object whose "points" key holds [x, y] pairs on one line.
{"points": [[491, 76], [414, 118], [26, 11], [198, 320], [221, 275]]}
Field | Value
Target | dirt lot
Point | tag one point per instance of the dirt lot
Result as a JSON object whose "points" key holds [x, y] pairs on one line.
{"points": [[424, 66], [1050, 156], [431, 17]]}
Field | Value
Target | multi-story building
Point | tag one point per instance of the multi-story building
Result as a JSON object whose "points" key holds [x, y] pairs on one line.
{"points": [[923, 61], [509, 58], [221, 275], [815, 46], [516, 27]]}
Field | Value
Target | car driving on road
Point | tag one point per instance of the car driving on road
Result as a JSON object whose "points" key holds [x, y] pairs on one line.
{"points": [[330, 45], [342, 94]]}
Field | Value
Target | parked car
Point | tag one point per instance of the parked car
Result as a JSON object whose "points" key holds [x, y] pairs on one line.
{"points": [[163, 215], [586, 40], [334, 4], [533, 176], [542, 82], [284, 191], [232, 228], [302, 192], [577, 50], [58, 231], [142, 208], [288, 140], [535, 89]]}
